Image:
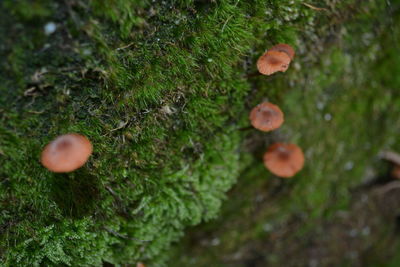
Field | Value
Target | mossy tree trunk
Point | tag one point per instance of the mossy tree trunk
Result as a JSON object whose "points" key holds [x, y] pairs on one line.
{"points": [[162, 89]]}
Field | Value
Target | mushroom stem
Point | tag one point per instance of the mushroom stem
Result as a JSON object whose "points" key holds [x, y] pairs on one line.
{"points": [[246, 128], [253, 74]]}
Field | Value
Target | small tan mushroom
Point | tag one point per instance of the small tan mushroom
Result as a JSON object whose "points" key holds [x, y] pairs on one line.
{"points": [[273, 61], [66, 153], [284, 160], [284, 48], [266, 117]]}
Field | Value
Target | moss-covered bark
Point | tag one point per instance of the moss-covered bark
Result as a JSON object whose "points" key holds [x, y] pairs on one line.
{"points": [[343, 209], [161, 89]]}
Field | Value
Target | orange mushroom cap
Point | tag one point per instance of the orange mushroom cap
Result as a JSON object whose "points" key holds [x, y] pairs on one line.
{"points": [[266, 117], [284, 160], [66, 153], [284, 48], [273, 61]]}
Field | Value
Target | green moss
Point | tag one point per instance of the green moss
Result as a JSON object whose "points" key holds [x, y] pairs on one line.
{"points": [[161, 89], [343, 110]]}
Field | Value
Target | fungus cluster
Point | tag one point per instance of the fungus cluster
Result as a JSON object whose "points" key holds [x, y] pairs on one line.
{"points": [[71, 151], [66, 153], [283, 160], [276, 59]]}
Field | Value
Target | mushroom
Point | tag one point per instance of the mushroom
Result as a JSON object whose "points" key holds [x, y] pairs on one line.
{"points": [[284, 160], [266, 117], [66, 153], [273, 61], [284, 48]]}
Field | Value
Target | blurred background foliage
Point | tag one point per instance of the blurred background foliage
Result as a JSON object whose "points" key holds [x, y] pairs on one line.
{"points": [[163, 90]]}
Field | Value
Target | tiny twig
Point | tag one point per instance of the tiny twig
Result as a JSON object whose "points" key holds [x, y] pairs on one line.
{"points": [[36, 112], [391, 156], [30, 91], [112, 192], [388, 187], [125, 46], [226, 22], [315, 8], [120, 126]]}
